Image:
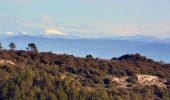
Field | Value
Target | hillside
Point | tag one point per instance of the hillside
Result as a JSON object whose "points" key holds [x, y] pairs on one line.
{"points": [[30, 75]]}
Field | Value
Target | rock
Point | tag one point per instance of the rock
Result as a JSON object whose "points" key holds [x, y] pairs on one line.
{"points": [[6, 62], [150, 80], [143, 80]]}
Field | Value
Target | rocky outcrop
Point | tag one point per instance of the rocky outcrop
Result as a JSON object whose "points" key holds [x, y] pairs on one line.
{"points": [[142, 80], [6, 62], [121, 82], [150, 80]]}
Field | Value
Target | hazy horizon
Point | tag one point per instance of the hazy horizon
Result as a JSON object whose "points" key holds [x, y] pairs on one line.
{"points": [[145, 24], [87, 19]]}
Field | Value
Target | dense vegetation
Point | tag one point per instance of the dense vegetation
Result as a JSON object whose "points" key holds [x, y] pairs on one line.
{"points": [[48, 76]]}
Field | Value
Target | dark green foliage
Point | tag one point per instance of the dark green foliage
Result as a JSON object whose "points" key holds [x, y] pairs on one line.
{"points": [[47, 76], [89, 56], [32, 47], [1, 46], [12, 46]]}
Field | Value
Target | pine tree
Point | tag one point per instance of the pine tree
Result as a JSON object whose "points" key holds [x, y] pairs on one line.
{"points": [[32, 47], [1, 46], [12, 46]]}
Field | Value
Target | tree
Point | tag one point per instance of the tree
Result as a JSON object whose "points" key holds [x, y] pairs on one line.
{"points": [[60, 93], [12, 46], [100, 94], [32, 47], [89, 57], [1, 46], [52, 96]]}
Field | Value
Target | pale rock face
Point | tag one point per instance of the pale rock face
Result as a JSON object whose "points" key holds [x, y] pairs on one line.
{"points": [[150, 80], [121, 81], [6, 62], [143, 80]]}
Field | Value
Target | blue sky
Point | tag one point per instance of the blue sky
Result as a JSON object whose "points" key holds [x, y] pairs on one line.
{"points": [[86, 18]]}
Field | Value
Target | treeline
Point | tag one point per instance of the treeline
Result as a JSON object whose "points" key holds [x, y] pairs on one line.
{"points": [[48, 76], [12, 46]]}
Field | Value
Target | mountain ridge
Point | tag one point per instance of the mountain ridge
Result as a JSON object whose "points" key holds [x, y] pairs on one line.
{"points": [[97, 47]]}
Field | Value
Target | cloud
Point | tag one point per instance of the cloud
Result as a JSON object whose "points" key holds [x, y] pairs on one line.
{"points": [[53, 32], [9, 33], [46, 25], [44, 19], [160, 29], [47, 18], [8, 24], [44, 22]]}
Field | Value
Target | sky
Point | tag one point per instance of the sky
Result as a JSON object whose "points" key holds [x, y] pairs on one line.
{"points": [[86, 18]]}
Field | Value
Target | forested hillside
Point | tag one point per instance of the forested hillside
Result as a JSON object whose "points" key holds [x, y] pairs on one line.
{"points": [[30, 75]]}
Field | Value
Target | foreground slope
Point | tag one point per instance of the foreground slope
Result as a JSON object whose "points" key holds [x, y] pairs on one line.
{"points": [[32, 75]]}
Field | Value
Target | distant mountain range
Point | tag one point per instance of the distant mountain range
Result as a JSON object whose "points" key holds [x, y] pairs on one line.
{"points": [[108, 48], [134, 38]]}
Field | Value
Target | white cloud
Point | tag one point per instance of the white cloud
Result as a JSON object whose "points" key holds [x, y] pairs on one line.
{"points": [[47, 26], [53, 32], [9, 33], [42, 23]]}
